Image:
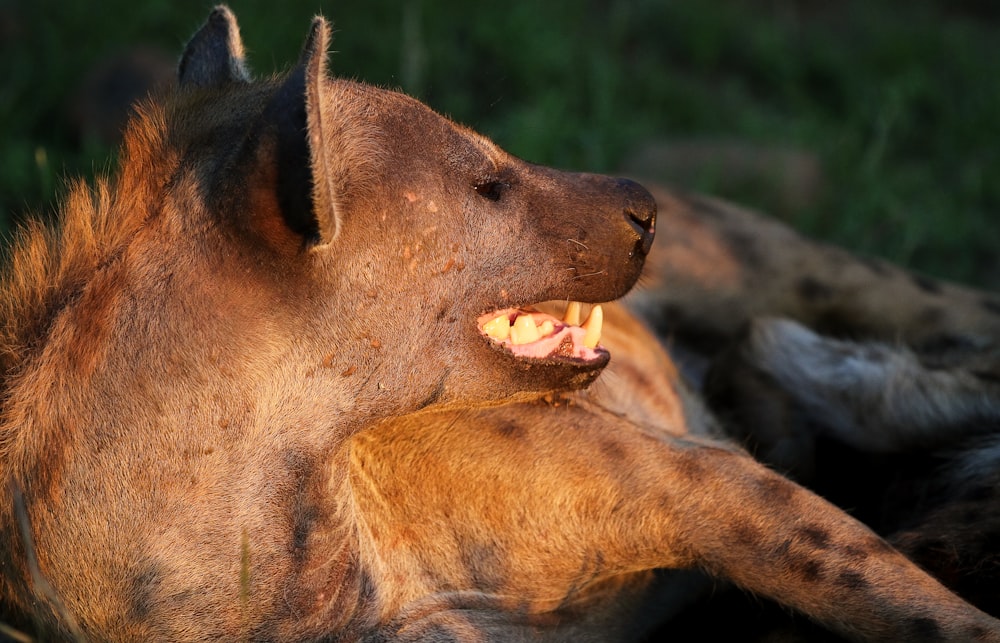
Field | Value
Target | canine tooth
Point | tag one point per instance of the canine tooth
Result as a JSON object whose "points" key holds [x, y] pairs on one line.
{"points": [[593, 327], [524, 330], [547, 328], [498, 328], [572, 316]]}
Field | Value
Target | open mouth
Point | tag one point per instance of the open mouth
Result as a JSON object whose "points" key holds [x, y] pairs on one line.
{"points": [[532, 334]]}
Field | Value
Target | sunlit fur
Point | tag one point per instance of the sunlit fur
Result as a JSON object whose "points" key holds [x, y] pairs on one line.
{"points": [[234, 413]]}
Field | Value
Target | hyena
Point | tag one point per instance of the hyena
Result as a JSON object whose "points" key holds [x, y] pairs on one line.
{"points": [[282, 379], [875, 386]]}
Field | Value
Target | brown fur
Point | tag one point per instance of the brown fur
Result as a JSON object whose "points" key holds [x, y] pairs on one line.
{"points": [[245, 397]]}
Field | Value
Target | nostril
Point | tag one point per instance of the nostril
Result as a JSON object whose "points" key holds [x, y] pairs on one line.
{"points": [[640, 212], [644, 223], [636, 220], [641, 220], [639, 203]]}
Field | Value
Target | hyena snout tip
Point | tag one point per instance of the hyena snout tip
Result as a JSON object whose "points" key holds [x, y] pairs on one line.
{"points": [[640, 212]]}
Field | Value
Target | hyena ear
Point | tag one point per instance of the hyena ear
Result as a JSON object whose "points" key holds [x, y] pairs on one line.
{"points": [[290, 140], [214, 55], [299, 157], [326, 131]]}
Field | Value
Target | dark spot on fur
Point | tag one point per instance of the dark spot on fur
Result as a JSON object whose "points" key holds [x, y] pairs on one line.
{"points": [[744, 248], [302, 513], [944, 343], [813, 290], [812, 570], [613, 451], [441, 314], [816, 537], [511, 429], [876, 266], [932, 316], [142, 597], [925, 629], [808, 568], [746, 534], [853, 552], [667, 502], [303, 519], [775, 491], [843, 324], [486, 565], [852, 580], [435, 394], [367, 590], [990, 305], [926, 284], [690, 466], [296, 461]]}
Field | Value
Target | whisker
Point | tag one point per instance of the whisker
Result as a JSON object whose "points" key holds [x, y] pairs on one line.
{"points": [[590, 274]]}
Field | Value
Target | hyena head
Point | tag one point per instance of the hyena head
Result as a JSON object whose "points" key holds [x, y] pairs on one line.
{"points": [[397, 233]]}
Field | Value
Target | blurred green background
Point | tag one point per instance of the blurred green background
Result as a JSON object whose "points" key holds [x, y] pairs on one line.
{"points": [[869, 123]]}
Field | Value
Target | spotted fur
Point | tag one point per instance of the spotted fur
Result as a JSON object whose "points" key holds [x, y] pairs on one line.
{"points": [[245, 397]]}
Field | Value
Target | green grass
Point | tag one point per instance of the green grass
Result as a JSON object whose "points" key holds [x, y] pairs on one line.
{"points": [[899, 101]]}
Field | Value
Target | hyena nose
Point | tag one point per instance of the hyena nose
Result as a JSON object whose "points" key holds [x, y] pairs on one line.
{"points": [[640, 212]]}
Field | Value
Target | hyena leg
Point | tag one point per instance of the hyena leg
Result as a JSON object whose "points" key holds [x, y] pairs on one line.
{"points": [[720, 266], [537, 511]]}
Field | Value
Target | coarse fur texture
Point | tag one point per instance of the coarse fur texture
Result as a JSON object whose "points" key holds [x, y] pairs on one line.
{"points": [[246, 397]]}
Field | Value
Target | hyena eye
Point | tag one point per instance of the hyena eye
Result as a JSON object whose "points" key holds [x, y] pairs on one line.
{"points": [[491, 190]]}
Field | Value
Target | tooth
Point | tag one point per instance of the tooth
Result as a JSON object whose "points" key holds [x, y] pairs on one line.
{"points": [[572, 316], [498, 328], [593, 327], [524, 330], [547, 328]]}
